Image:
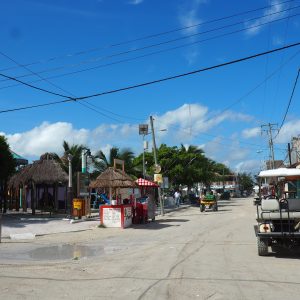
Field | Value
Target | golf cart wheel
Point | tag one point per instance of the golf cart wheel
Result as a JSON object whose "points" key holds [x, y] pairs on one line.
{"points": [[202, 208], [262, 246]]}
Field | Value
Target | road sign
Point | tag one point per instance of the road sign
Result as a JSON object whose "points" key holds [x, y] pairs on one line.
{"points": [[158, 178], [143, 129], [157, 168], [82, 184]]}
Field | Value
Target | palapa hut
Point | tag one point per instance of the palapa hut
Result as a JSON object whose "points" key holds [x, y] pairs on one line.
{"points": [[42, 183], [113, 179]]}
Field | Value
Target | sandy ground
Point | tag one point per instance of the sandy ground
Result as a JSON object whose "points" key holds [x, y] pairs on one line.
{"points": [[183, 255]]}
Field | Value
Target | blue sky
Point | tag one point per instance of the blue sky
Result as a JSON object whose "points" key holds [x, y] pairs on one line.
{"points": [[55, 38]]}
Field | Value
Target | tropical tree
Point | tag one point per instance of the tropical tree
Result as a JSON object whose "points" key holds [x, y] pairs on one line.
{"points": [[101, 162], [137, 165], [246, 182], [75, 150], [7, 168]]}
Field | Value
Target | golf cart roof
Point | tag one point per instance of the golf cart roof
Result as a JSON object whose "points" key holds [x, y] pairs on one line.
{"points": [[281, 172]]}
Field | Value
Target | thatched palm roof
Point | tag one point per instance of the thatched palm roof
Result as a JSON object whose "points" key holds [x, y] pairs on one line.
{"points": [[44, 171], [19, 178], [114, 179]]}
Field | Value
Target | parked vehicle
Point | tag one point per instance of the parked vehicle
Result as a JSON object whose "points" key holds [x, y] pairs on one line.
{"points": [[278, 214], [225, 195]]}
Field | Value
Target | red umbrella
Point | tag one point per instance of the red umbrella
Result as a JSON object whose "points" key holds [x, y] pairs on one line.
{"points": [[144, 182]]}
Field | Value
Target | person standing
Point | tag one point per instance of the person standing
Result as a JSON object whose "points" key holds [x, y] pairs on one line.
{"points": [[151, 206], [177, 198]]}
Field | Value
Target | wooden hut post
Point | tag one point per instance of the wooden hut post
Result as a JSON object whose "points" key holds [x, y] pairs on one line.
{"points": [[17, 197], [25, 198], [55, 195], [32, 198], [66, 198]]}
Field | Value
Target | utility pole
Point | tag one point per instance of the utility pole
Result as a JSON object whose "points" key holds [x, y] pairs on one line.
{"points": [[289, 153], [143, 130], [155, 161], [269, 130]]}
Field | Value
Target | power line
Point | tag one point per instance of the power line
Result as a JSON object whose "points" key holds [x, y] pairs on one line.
{"points": [[159, 80], [34, 73], [256, 87], [282, 57], [149, 36], [87, 105], [220, 137], [161, 43], [289, 102], [35, 87], [142, 56], [190, 73]]}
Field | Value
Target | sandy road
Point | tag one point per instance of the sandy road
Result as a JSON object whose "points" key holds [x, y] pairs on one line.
{"points": [[184, 255]]}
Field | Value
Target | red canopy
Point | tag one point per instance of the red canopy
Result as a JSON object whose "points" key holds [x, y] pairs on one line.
{"points": [[144, 182]]}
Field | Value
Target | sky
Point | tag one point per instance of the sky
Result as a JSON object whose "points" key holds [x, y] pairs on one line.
{"points": [[80, 48]]}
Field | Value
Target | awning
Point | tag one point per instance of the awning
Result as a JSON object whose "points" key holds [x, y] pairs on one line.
{"points": [[144, 182], [281, 172], [19, 159]]}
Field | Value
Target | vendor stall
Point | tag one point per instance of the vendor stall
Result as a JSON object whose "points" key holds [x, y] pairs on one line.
{"points": [[120, 212], [148, 203]]}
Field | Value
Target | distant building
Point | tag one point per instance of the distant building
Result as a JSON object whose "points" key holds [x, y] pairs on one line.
{"points": [[227, 182], [277, 164], [295, 150]]}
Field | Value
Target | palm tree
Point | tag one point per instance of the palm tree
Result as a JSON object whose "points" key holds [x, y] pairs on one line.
{"points": [[102, 162], [75, 151]]}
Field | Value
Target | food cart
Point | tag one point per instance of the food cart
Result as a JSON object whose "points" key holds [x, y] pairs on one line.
{"points": [[120, 211], [146, 207]]}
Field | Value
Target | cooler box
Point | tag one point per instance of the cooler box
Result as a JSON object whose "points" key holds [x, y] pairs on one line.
{"points": [[116, 215]]}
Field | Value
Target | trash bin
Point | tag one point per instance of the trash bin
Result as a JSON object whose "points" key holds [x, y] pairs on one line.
{"points": [[78, 207]]}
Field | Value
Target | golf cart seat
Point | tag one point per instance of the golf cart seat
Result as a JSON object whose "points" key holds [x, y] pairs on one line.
{"points": [[270, 210], [294, 204]]}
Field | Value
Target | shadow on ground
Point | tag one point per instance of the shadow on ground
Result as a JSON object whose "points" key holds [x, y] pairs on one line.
{"points": [[159, 224]]}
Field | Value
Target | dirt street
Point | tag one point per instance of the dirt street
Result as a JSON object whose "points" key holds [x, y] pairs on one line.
{"points": [[183, 255]]}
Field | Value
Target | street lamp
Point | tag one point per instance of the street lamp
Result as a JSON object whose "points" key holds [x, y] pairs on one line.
{"points": [[143, 130], [70, 185]]}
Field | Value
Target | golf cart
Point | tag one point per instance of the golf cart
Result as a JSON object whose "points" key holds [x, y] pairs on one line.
{"points": [[209, 201], [278, 213]]}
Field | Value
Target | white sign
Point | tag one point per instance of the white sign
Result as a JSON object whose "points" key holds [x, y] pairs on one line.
{"points": [[165, 183], [112, 217], [127, 216]]}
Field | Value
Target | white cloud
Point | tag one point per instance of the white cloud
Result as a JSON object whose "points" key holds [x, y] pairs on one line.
{"points": [[226, 151], [183, 124], [192, 56], [46, 138], [49, 137], [189, 119], [288, 130], [188, 16], [277, 41], [251, 132], [249, 166], [270, 15], [136, 2]]}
